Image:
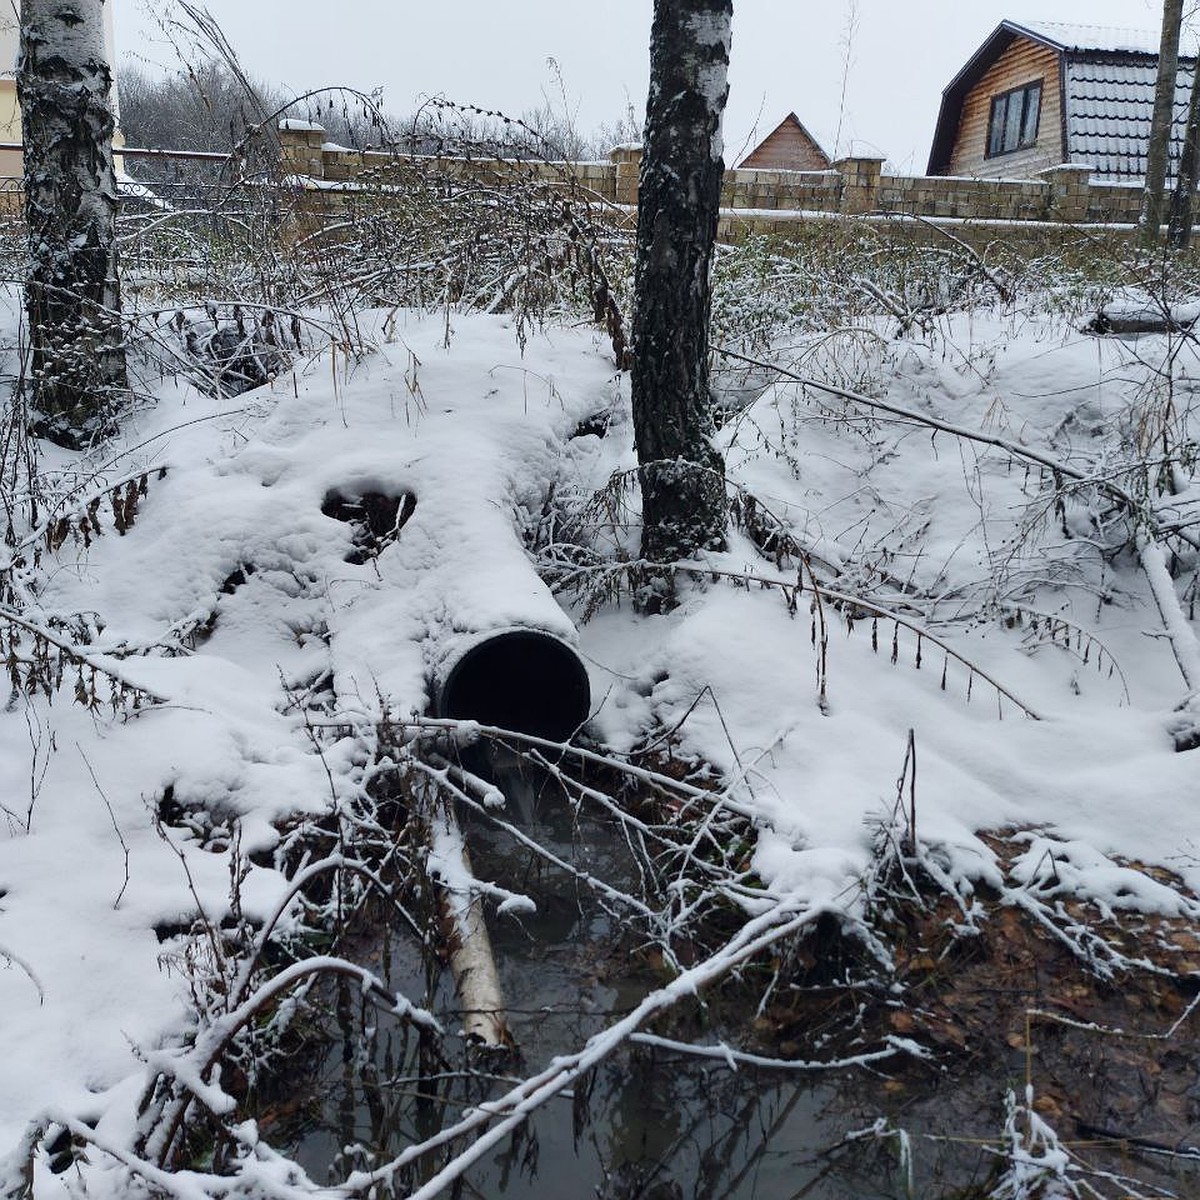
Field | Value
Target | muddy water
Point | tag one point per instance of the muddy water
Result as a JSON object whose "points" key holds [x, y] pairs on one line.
{"points": [[647, 1124]]}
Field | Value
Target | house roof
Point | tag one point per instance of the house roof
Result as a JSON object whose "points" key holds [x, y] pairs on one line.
{"points": [[789, 123], [1100, 39], [1108, 92], [1108, 111]]}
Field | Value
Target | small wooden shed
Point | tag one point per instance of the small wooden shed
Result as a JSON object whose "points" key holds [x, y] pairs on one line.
{"points": [[1037, 94], [788, 147]]}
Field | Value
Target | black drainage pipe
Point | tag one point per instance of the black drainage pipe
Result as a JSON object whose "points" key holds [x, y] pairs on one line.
{"points": [[519, 679]]}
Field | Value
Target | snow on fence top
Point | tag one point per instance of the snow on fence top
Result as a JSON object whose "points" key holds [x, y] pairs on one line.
{"points": [[854, 185]]}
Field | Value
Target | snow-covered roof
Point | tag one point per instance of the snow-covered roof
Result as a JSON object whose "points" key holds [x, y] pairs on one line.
{"points": [[1109, 78], [1106, 39]]}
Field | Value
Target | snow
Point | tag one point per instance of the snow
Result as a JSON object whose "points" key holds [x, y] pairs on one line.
{"points": [[809, 214], [479, 433], [1103, 38]]}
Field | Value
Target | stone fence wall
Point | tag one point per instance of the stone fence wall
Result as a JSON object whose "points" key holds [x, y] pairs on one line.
{"points": [[767, 200]]}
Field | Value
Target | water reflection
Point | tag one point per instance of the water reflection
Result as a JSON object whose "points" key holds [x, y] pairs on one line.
{"points": [[645, 1124]]}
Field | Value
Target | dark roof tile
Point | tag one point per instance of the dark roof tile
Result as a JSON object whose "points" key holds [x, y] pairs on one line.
{"points": [[1109, 99]]}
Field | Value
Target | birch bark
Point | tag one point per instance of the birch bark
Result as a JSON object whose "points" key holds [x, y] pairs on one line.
{"points": [[681, 472], [72, 297], [1158, 150]]}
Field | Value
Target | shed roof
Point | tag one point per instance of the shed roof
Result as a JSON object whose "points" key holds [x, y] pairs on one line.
{"points": [[791, 124]]}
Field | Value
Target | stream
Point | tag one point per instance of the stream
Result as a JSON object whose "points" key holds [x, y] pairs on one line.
{"points": [[647, 1124]]}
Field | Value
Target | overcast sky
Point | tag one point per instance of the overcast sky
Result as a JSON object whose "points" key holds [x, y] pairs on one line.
{"points": [[787, 55]]}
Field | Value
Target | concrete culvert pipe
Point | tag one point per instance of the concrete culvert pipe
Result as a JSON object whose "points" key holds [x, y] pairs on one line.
{"points": [[519, 679]]}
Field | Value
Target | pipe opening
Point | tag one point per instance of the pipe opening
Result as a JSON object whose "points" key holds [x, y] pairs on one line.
{"points": [[522, 680]]}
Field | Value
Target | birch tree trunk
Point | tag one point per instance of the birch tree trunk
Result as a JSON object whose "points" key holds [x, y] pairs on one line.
{"points": [[1158, 149], [681, 472], [1179, 228], [72, 298]]}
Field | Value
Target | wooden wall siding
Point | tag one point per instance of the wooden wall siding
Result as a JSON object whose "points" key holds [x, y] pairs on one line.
{"points": [[1023, 62], [788, 148]]}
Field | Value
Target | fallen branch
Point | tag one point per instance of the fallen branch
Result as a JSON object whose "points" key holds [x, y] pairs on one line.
{"points": [[194, 1068], [1179, 631], [1003, 290], [733, 1059], [472, 962], [240, 988], [793, 589], [17, 961], [1140, 1143], [1112, 490], [472, 791], [43, 640], [1183, 639]]}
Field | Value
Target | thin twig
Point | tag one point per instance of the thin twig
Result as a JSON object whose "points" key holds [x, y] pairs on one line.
{"points": [[112, 816]]}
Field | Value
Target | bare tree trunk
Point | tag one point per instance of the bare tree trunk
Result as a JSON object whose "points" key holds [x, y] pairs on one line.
{"points": [[1179, 228], [682, 474], [71, 296], [1158, 149]]}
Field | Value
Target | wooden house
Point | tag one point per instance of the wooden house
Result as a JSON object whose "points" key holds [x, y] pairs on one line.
{"points": [[788, 147], [1037, 94]]}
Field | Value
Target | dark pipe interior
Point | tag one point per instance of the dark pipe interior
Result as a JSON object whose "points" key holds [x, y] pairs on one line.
{"points": [[521, 680]]}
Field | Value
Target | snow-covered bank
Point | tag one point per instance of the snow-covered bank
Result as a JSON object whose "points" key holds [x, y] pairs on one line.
{"points": [[232, 595], [232, 567]]}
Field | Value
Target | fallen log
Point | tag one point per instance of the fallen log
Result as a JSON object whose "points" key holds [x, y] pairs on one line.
{"points": [[1116, 320], [472, 963]]}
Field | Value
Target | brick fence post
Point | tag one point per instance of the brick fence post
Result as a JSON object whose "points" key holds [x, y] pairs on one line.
{"points": [[627, 163], [860, 183], [1068, 191], [300, 148]]}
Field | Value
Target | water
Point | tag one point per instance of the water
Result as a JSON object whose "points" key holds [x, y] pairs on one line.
{"points": [[646, 1124]]}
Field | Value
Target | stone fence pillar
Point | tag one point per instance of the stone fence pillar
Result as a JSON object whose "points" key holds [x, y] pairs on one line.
{"points": [[300, 145], [860, 183], [627, 162], [1069, 188]]}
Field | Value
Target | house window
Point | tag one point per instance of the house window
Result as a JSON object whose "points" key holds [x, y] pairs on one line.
{"points": [[1013, 124]]}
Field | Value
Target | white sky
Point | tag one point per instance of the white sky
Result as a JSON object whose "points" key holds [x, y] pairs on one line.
{"points": [[787, 55]]}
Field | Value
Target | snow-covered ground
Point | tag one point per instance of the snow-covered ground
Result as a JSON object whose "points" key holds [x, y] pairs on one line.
{"points": [[231, 565]]}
